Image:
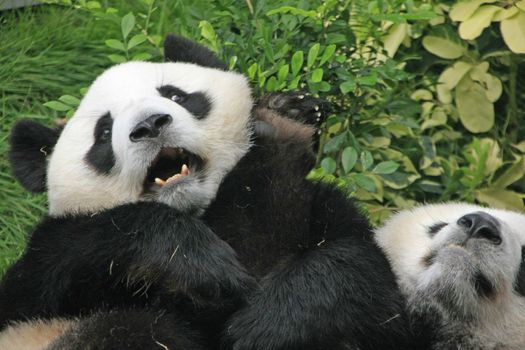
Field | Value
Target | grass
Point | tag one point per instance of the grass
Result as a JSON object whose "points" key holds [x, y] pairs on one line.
{"points": [[45, 52]]}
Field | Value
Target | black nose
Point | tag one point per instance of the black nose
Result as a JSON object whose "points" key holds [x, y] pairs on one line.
{"points": [[150, 128], [481, 225]]}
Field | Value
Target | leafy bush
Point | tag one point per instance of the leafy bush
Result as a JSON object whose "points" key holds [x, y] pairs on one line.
{"points": [[427, 100]]}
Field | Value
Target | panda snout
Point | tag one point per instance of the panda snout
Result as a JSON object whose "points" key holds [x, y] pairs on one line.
{"points": [[481, 225], [150, 127]]}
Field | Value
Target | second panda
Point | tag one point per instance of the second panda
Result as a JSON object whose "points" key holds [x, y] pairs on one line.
{"points": [[462, 269]]}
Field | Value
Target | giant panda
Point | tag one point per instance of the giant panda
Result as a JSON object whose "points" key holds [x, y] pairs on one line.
{"points": [[462, 270], [174, 206]]}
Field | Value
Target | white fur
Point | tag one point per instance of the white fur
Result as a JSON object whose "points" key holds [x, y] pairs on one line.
{"points": [[445, 286], [129, 92]]}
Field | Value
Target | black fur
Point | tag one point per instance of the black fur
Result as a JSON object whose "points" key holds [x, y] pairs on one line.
{"points": [[130, 329], [31, 143], [196, 103], [179, 49], [101, 155]]}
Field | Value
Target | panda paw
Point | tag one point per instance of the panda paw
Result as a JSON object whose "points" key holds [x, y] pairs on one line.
{"points": [[297, 106], [266, 327], [210, 275]]}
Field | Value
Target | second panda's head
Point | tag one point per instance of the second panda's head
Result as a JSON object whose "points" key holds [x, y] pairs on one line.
{"points": [[167, 132], [465, 260]]}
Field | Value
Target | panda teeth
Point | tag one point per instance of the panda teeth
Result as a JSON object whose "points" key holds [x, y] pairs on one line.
{"points": [[184, 171], [160, 182]]}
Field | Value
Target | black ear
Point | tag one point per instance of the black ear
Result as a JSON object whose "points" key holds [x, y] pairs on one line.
{"points": [[179, 49], [31, 144]]}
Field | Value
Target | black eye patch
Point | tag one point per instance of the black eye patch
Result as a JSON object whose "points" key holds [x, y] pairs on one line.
{"points": [[197, 103], [519, 285], [100, 156], [435, 228]]}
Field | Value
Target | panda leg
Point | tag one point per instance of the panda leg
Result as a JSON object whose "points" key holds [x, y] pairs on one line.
{"points": [[287, 116], [129, 329], [338, 294]]}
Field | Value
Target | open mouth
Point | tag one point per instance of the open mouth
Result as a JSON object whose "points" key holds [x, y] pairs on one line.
{"points": [[172, 165]]}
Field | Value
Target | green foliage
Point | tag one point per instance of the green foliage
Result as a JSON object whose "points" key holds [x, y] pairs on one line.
{"points": [[427, 101]]}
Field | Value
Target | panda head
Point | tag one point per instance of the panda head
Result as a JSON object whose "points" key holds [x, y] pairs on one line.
{"points": [[465, 260], [138, 126]]}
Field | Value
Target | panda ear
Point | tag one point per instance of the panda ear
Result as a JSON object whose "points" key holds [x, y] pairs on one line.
{"points": [[31, 143], [179, 49]]}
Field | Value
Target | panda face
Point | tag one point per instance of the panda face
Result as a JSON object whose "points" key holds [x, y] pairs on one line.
{"points": [[466, 260], [142, 123]]}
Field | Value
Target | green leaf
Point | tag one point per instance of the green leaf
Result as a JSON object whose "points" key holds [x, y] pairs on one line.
{"points": [[348, 159], [283, 73], [369, 80], [126, 24], [396, 34], [514, 173], [366, 160], [271, 84], [387, 167], [481, 19], [207, 31], [335, 143], [329, 165], [443, 47], [57, 106], [421, 94], [293, 10], [520, 146], [324, 86], [69, 100], [476, 112], [136, 40], [365, 182], [252, 70], [505, 13], [142, 56], [93, 5], [463, 10], [317, 75], [450, 78], [115, 44], [327, 54], [297, 62], [513, 32], [492, 84], [312, 54], [499, 198], [117, 58], [294, 83], [347, 86]]}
